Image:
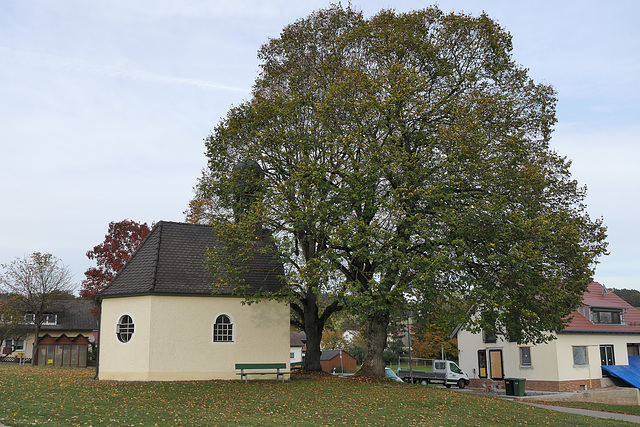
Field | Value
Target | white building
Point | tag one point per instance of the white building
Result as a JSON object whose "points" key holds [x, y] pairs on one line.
{"points": [[604, 331], [161, 321]]}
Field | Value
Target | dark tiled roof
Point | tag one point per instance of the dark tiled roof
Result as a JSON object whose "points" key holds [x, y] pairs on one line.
{"points": [[301, 335], [295, 341], [171, 260], [72, 315]]}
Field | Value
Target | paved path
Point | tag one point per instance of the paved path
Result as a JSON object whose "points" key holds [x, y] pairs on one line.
{"points": [[549, 405], [597, 414]]}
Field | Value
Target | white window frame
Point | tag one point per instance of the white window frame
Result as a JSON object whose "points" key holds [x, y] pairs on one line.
{"points": [[49, 319], [20, 344], [233, 329], [132, 326], [15, 344]]}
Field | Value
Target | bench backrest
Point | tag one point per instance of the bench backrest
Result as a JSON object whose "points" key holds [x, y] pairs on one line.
{"points": [[261, 365]]}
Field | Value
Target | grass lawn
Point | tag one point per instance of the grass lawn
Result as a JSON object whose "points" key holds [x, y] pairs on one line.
{"points": [[68, 397]]}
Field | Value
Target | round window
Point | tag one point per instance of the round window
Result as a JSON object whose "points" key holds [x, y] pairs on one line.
{"points": [[125, 328]]}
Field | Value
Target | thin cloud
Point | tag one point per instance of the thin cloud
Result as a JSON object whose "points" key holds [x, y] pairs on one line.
{"points": [[82, 66]]}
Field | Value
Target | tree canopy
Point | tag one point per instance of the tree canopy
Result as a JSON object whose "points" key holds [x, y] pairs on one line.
{"points": [[121, 240], [405, 157]]}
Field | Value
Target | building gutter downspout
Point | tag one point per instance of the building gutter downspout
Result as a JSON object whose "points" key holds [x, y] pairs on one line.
{"points": [[99, 305]]}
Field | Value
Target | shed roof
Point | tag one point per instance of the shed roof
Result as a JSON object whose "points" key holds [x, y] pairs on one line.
{"points": [[172, 260], [330, 354]]}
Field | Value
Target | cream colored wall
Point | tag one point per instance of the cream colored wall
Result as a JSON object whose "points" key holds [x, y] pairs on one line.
{"points": [[468, 346], [28, 345], [552, 361], [543, 360], [173, 337], [593, 341], [124, 361]]}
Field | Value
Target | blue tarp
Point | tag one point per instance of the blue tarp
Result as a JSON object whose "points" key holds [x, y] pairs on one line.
{"points": [[629, 373]]}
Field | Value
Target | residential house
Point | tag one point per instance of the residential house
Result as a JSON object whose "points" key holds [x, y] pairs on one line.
{"points": [[302, 336], [605, 330], [66, 334], [295, 345], [162, 321]]}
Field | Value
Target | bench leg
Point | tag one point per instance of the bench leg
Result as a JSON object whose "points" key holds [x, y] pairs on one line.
{"points": [[245, 376]]}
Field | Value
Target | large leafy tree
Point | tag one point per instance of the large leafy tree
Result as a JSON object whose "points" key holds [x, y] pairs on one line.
{"points": [[36, 281], [120, 242], [405, 158]]}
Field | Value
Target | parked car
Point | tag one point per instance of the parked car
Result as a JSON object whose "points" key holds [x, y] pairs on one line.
{"points": [[388, 373]]}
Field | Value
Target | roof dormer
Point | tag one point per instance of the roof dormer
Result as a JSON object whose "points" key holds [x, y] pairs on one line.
{"points": [[607, 315]]}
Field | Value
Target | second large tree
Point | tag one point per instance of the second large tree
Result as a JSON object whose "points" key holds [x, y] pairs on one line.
{"points": [[406, 156]]}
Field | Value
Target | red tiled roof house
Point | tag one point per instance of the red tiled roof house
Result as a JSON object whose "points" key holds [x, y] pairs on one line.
{"points": [[605, 330]]}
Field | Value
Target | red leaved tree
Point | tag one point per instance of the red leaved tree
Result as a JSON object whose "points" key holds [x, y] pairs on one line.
{"points": [[430, 343], [122, 239]]}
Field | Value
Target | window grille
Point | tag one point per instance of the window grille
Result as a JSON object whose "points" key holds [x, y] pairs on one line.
{"points": [[125, 328], [223, 329]]}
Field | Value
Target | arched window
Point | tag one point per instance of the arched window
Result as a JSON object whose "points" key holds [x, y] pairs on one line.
{"points": [[125, 328], [223, 329]]}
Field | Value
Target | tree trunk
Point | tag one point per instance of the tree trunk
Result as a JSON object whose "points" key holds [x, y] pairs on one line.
{"points": [[34, 350], [313, 327], [312, 356], [377, 324]]}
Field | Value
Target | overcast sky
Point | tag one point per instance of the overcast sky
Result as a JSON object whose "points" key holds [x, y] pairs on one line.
{"points": [[104, 107]]}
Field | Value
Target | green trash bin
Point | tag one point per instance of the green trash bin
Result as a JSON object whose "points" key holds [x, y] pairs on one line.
{"points": [[518, 386], [508, 386]]}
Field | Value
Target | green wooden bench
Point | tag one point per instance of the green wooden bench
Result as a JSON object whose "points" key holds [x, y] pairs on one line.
{"points": [[261, 369]]}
